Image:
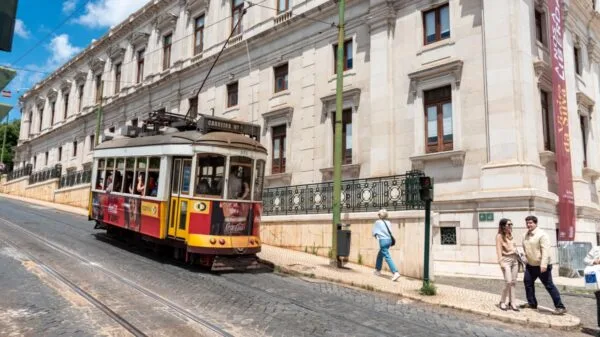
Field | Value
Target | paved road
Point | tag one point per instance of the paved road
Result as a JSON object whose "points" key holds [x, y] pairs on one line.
{"points": [[241, 304]]}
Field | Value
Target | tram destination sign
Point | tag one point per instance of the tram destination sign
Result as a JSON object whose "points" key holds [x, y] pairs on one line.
{"points": [[209, 123]]}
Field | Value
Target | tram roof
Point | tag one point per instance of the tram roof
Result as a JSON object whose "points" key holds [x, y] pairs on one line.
{"points": [[225, 139]]}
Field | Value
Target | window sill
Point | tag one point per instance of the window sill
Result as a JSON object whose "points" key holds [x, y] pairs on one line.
{"points": [[349, 171], [457, 158], [197, 57], [347, 73], [278, 180], [436, 45], [281, 93], [590, 173], [547, 157], [231, 109]]}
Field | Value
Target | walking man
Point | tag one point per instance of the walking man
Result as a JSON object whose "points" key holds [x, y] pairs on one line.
{"points": [[536, 245]]}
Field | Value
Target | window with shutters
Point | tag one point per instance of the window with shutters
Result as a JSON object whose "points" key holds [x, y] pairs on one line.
{"points": [[278, 149], [438, 119]]}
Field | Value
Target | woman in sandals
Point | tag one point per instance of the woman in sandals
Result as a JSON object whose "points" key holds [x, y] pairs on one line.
{"points": [[509, 263], [382, 232]]}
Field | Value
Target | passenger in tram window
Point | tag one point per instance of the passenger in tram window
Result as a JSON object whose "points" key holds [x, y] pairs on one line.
{"points": [[99, 184], [129, 182], [141, 184], [117, 183], [203, 187], [152, 186], [109, 182]]}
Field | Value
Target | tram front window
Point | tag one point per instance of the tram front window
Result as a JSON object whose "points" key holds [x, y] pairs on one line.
{"points": [[209, 175], [240, 176]]}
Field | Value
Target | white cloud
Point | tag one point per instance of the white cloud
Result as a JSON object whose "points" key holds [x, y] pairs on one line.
{"points": [[106, 13], [21, 30], [62, 50], [69, 6]]}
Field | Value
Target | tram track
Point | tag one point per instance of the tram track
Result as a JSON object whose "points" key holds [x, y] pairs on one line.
{"points": [[176, 310]]}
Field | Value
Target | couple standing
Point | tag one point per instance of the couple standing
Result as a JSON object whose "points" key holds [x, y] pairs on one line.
{"points": [[536, 246]]}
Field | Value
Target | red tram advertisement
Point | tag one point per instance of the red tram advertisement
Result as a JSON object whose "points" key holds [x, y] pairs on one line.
{"points": [[195, 189]]}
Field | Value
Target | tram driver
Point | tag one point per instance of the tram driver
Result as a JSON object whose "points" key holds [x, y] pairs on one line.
{"points": [[237, 188]]}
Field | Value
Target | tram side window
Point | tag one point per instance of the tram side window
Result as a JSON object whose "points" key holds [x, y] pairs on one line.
{"points": [[259, 175], [209, 175], [140, 185], [240, 176], [129, 186], [110, 168], [100, 174], [119, 175], [153, 175]]}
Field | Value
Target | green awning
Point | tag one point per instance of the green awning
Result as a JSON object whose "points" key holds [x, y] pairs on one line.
{"points": [[4, 110], [6, 75]]}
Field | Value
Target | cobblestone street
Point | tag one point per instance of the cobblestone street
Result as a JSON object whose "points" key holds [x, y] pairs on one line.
{"points": [[191, 302]]}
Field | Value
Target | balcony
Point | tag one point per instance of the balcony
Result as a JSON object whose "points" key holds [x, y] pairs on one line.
{"points": [[283, 17]]}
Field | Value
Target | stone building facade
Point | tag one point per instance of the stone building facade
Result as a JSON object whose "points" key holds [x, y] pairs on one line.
{"points": [[458, 88]]}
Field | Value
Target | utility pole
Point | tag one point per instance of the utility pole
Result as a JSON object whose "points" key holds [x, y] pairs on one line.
{"points": [[4, 142], [99, 116], [337, 150]]}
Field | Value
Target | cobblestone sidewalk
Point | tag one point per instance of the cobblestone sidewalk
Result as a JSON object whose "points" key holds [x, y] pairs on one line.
{"points": [[470, 300]]}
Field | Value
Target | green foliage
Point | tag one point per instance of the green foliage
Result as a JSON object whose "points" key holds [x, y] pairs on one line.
{"points": [[428, 289], [314, 249], [360, 259], [12, 137]]}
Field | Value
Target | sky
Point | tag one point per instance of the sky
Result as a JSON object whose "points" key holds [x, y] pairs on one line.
{"points": [[48, 33]]}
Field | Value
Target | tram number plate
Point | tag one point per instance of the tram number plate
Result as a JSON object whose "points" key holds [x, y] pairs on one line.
{"points": [[244, 152]]}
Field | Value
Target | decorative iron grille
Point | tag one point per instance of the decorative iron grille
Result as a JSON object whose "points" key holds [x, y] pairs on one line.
{"points": [[75, 178], [19, 173], [395, 193], [44, 175]]}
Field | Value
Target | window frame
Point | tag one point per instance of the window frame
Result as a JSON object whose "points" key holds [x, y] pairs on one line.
{"points": [[346, 121], [540, 26], [278, 72], [141, 57], [239, 9], [118, 77], [74, 151], [283, 10], [348, 56], [65, 105], [167, 50], [80, 94], [455, 234], [584, 127], [278, 133], [52, 112], [193, 109], [59, 154], [92, 142], [230, 93], [199, 30], [547, 121], [98, 82], [442, 145], [577, 60], [438, 25]]}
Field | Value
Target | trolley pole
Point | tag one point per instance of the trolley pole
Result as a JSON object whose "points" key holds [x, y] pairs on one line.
{"points": [[337, 151], [427, 240], [99, 116]]}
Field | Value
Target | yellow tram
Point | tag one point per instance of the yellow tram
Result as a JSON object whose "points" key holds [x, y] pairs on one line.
{"points": [[196, 188]]}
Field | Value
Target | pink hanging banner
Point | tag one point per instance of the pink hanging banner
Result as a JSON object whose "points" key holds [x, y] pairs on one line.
{"points": [[566, 204]]}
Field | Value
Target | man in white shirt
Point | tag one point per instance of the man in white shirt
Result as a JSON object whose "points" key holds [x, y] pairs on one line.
{"points": [[593, 256], [536, 245]]}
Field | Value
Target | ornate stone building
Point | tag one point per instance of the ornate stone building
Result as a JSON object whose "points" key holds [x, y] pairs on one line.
{"points": [[458, 88]]}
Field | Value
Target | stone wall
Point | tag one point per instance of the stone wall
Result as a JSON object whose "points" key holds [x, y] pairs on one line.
{"points": [[312, 234], [42, 190], [78, 196], [15, 187]]}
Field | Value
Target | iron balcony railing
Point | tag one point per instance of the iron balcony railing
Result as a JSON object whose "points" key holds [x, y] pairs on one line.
{"points": [[75, 178], [394, 193], [19, 173], [44, 175]]}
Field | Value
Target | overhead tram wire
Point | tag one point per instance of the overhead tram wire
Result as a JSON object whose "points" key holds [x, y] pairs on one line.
{"points": [[37, 44]]}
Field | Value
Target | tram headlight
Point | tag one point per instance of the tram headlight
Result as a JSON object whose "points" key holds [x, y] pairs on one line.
{"points": [[222, 241], [213, 241]]}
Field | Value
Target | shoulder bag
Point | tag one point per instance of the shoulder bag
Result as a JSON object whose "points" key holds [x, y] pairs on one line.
{"points": [[390, 233]]}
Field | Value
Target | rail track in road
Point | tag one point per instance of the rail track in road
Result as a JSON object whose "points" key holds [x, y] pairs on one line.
{"points": [[175, 309]]}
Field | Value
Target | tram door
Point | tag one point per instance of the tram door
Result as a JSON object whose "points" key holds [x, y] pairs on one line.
{"points": [[180, 190]]}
